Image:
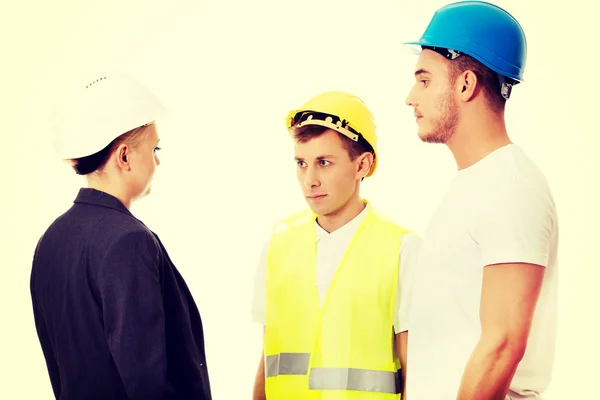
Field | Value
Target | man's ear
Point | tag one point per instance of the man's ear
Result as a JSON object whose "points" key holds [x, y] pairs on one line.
{"points": [[365, 161], [467, 84], [122, 155]]}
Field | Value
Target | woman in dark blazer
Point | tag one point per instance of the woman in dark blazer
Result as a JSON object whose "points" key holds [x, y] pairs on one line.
{"points": [[114, 317]]}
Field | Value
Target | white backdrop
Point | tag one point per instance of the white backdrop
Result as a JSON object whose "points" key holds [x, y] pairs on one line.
{"points": [[231, 71]]}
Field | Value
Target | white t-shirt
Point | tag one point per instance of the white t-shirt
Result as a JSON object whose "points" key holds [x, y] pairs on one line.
{"points": [[330, 250], [499, 210]]}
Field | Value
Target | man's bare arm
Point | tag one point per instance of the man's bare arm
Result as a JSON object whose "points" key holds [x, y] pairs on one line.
{"points": [[401, 342], [259, 381], [508, 300]]}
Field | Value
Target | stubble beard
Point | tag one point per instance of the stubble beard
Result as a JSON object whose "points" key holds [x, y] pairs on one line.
{"points": [[445, 127]]}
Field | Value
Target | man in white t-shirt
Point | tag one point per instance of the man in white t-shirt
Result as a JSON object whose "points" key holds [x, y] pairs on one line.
{"points": [[483, 305], [335, 148]]}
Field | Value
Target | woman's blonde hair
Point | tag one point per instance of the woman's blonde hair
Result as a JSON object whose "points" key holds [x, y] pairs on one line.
{"points": [[95, 163]]}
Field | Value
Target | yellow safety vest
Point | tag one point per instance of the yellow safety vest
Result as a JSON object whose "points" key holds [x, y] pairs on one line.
{"points": [[345, 350]]}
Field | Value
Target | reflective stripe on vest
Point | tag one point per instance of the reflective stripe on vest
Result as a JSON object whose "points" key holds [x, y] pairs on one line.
{"points": [[287, 364], [362, 380], [332, 378]]}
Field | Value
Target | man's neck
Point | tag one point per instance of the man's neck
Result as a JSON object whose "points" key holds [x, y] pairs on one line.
{"points": [[341, 217], [476, 137]]}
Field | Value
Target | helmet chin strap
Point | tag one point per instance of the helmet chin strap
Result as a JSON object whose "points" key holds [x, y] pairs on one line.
{"points": [[506, 85]]}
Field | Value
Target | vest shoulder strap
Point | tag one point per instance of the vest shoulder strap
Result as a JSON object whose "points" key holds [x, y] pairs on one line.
{"points": [[389, 223], [301, 217]]}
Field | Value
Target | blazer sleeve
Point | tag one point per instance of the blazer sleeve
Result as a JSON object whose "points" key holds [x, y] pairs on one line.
{"points": [[129, 286]]}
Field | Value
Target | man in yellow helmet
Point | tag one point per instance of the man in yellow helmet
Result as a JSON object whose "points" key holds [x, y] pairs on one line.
{"points": [[332, 280]]}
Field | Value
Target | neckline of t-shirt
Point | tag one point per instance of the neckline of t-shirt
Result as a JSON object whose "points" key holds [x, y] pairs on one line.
{"points": [[348, 228], [487, 159]]}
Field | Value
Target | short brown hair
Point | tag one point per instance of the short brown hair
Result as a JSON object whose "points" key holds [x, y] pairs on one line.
{"points": [[487, 78], [354, 149]]}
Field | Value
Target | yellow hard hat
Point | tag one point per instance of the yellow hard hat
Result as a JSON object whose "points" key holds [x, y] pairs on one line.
{"points": [[340, 111]]}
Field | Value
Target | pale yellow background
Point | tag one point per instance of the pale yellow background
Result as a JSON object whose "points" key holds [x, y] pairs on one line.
{"points": [[231, 70]]}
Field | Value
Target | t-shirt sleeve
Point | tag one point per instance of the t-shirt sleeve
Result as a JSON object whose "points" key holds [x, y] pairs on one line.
{"points": [[259, 297], [515, 223], [409, 251]]}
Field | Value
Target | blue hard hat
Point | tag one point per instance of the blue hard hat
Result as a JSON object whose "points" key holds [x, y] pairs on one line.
{"points": [[481, 30]]}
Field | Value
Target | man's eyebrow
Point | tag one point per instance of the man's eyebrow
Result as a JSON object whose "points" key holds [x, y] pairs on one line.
{"points": [[421, 71], [318, 158]]}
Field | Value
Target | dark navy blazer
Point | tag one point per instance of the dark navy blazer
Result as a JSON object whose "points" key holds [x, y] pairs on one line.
{"points": [[114, 317]]}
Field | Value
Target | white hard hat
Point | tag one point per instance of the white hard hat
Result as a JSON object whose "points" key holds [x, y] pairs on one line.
{"points": [[100, 111]]}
